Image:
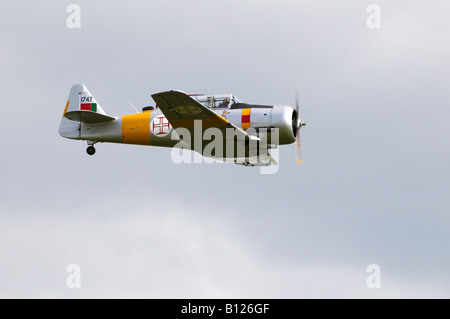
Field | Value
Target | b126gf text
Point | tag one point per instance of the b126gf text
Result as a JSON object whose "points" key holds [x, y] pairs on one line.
{"points": [[240, 308]]}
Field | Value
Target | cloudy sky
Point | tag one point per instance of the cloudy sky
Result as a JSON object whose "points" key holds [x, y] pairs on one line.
{"points": [[373, 188]]}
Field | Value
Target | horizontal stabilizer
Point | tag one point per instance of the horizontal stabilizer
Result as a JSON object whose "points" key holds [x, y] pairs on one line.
{"points": [[88, 117]]}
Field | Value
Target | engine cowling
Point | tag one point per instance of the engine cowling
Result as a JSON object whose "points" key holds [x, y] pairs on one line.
{"points": [[285, 119]]}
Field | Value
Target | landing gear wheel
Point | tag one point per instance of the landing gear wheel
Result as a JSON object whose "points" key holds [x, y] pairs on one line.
{"points": [[90, 150]]}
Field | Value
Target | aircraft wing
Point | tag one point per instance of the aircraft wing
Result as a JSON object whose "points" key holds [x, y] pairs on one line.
{"points": [[182, 111], [262, 159]]}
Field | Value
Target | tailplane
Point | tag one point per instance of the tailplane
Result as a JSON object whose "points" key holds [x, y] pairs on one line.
{"points": [[81, 106]]}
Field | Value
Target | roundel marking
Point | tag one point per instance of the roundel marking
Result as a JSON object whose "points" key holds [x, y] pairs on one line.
{"points": [[160, 126]]}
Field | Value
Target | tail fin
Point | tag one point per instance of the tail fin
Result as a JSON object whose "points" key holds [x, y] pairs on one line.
{"points": [[80, 107]]}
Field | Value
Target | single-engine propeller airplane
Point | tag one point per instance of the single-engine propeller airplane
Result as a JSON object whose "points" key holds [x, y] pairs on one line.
{"points": [[216, 126]]}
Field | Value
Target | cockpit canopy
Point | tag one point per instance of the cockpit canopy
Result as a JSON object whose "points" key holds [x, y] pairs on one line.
{"points": [[216, 101]]}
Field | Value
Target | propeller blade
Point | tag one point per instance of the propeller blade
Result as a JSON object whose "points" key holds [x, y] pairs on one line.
{"points": [[298, 147], [299, 123]]}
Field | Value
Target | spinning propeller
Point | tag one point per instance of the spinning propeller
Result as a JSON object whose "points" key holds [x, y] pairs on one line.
{"points": [[297, 125]]}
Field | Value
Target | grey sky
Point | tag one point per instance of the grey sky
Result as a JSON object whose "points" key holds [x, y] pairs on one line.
{"points": [[373, 189]]}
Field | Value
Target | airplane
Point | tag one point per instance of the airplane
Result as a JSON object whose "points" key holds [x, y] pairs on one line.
{"points": [[243, 133]]}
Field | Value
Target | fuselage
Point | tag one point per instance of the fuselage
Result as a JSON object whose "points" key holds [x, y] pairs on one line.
{"points": [[151, 127]]}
